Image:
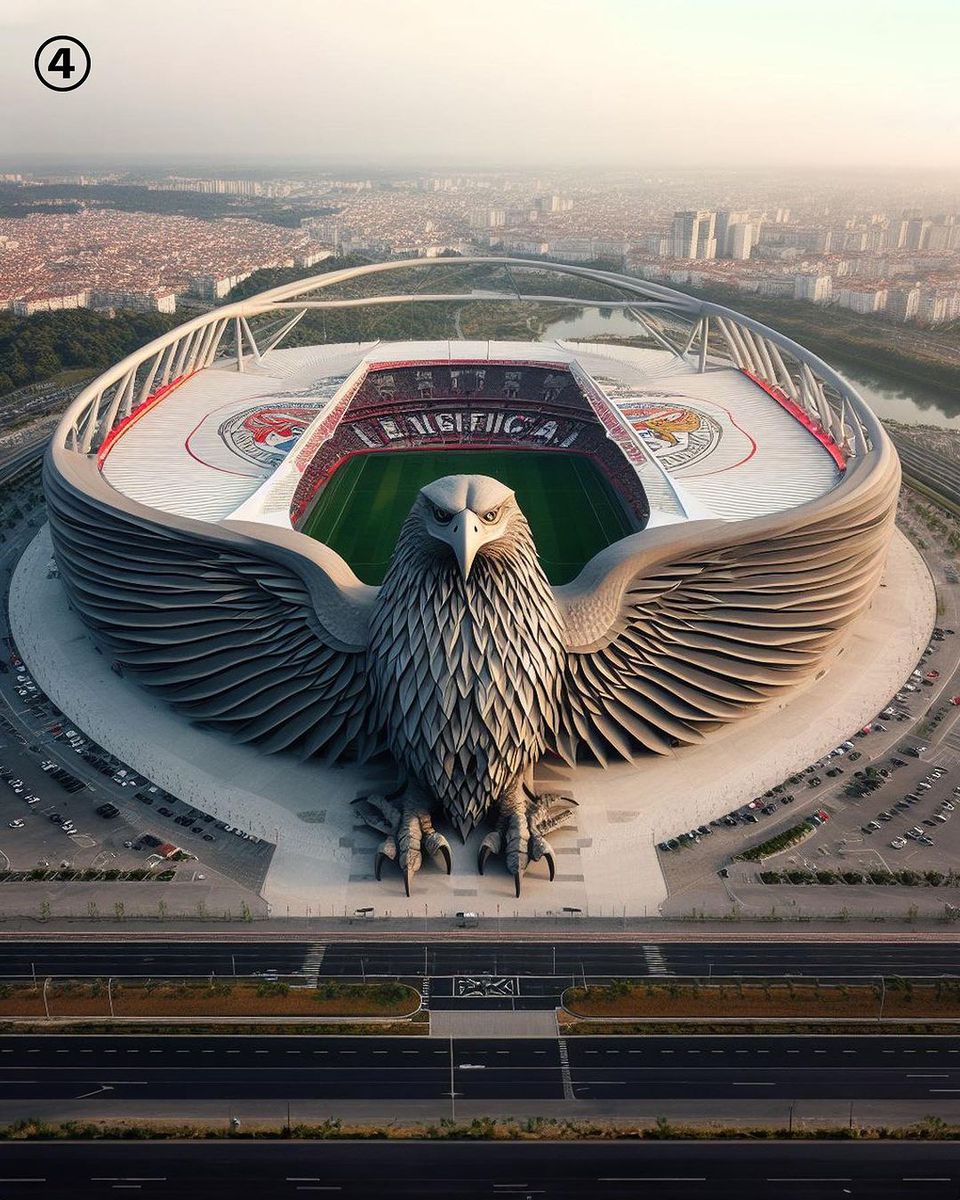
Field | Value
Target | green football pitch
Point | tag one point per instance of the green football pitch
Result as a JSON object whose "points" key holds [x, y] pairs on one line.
{"points": [[572, 510]]}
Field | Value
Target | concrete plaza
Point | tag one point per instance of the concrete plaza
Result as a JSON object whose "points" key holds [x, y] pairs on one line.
{"points": [[606, 862]]}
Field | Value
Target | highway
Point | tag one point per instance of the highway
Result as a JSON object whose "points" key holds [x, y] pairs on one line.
{"points": [[937, 472], [666, 1170], [562, 960], [138, 1071]]}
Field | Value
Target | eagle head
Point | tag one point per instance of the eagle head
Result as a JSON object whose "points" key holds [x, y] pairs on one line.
{"points": [[472, 515]]}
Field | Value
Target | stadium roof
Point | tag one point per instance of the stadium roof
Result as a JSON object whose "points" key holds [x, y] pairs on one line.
{"points": [[712, 443]]}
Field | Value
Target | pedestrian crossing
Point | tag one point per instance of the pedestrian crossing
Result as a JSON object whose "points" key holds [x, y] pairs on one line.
{"points": [[313, 960], [568, 1093], [656, 963]]}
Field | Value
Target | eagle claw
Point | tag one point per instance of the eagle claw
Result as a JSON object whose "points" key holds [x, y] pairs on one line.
{"points": [[519, 835], [409, 832]]}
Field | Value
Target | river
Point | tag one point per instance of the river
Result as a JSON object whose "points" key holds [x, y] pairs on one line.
{"points": [[888, 396]]}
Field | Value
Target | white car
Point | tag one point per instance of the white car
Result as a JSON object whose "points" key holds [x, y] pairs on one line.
{"points": [[898, 843], [17, 823]]}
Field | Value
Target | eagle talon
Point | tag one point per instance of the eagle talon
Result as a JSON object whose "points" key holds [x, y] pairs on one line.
{"points": [[437, 846], [491, 844], [519, 834], [386, 852], [409, 834]]}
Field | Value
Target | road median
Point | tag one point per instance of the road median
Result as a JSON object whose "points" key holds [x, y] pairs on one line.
{"points": [[54, 1000]]}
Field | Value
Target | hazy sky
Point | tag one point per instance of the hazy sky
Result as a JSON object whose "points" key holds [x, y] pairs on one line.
{"points": [[477, 82]]}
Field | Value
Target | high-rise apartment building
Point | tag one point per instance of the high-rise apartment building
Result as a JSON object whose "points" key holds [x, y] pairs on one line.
{"points": [[694, 234], [818, 289], [740, 241], [918, 232]]}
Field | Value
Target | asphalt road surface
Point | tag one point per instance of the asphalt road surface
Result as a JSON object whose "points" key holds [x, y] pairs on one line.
{"points": [[666, 1170], [776, 1068], [438, 959]]}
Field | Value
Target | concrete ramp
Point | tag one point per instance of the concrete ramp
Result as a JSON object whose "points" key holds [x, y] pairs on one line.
{"points": [[493, 1023]]}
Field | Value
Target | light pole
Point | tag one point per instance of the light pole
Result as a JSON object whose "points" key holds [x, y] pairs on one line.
{"points": [[453, 1093], [883, 996]]}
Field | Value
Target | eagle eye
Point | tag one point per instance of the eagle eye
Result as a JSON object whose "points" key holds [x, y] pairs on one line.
{"points": [[441, 516], [490, 516]]}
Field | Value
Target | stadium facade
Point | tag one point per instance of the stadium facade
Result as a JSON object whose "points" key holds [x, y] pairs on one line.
{"points": [[254, 530]]}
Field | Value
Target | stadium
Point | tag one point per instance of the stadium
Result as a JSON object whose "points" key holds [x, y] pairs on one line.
{"points": [[711, 507]]}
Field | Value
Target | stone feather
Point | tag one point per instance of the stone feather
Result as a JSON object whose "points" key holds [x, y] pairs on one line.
{"points": [[465, 673]]}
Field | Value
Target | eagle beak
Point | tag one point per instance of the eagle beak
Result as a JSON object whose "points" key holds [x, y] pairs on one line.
{"points": [[465, 539]]}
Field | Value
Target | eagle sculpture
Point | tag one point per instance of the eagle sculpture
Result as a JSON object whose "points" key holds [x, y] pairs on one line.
{"points": [[466, 666]]}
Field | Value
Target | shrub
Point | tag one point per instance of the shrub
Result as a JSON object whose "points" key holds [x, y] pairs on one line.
{"points": [[269, 987], [774, 845]]}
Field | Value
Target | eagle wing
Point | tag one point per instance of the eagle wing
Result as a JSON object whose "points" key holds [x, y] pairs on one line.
{"points": [[254, 631], [678, 629]]}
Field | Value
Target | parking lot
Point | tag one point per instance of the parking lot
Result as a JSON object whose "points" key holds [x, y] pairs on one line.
{"points": [[66, 803], [908, 818]]}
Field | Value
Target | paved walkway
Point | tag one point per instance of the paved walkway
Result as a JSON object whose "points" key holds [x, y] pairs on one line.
{"points": [[492, 1023]]}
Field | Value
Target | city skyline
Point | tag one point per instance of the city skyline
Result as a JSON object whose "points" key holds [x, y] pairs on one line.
{"points": [[607, 83]]}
